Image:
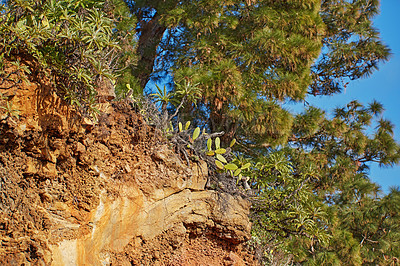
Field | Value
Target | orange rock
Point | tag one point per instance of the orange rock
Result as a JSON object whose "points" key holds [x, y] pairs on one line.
{"points": [[115, 196]]}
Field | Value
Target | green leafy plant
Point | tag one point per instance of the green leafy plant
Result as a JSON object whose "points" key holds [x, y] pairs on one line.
{"points": [[233, 167], [73, 41], [9, 110], [197, 144], [163, 97], [175, 100], [190, 92]]}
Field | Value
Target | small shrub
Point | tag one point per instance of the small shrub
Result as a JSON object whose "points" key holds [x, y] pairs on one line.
{"points": [[75, 42]]}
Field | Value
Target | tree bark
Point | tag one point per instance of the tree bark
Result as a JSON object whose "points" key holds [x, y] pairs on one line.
{"points": [[220, 121], [151, 33]]}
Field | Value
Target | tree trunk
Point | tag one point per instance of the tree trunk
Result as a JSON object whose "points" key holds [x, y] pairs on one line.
{"points": [[151, 33], [220, 121]]}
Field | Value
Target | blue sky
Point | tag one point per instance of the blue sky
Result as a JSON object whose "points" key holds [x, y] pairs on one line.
{"points": [[383, 85]]}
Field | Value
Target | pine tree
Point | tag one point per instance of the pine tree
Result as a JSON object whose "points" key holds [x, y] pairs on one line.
{"points": [[362, 224], [313, 197], [352, 48], [243, 54], [250, 56]]}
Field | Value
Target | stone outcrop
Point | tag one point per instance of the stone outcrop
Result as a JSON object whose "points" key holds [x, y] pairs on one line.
{"points": [[133, 217], [75, 192]]}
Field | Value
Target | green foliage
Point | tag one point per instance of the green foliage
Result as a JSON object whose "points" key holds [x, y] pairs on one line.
{"points": [[73, 41], [286, 209], [163, 97], [314, 203], [7, 106], [200, 145], [248, 57], [332, 156], [352, 48], [341, 146], [373, 222], [186, 93], [196, 133], [10, 111], [243, 57], [190, 92], [123, 33]]}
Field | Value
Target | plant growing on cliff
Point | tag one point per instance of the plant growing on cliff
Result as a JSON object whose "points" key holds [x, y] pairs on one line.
{"points": [[7, 106], [73, 41]]}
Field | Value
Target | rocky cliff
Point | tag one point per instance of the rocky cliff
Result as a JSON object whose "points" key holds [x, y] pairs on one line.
{"points": [[73, 192]]}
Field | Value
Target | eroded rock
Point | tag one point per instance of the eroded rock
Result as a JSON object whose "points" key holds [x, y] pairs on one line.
{"points": [[75, 192]]}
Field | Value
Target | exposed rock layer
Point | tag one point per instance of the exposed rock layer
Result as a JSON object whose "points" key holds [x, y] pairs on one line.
{"points": [[77, 193]]}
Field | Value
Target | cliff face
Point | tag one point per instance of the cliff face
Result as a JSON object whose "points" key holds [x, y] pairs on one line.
{"points": [[77, 193]]}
